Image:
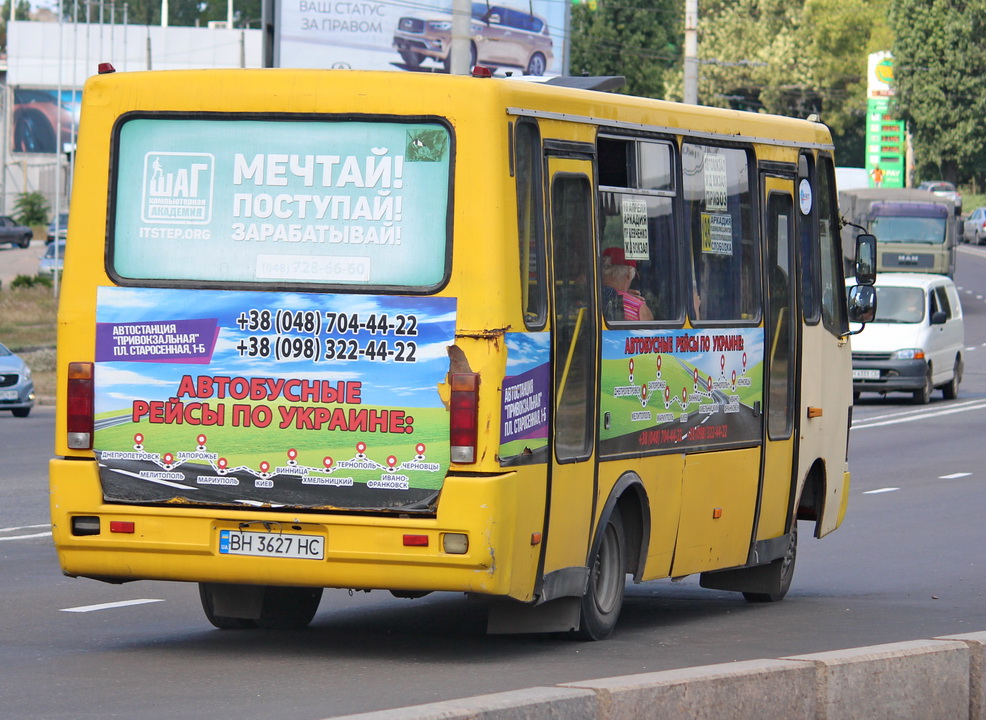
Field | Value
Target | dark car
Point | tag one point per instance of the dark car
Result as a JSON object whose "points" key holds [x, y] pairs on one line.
{"points": [[13, 233], [16, 385]]}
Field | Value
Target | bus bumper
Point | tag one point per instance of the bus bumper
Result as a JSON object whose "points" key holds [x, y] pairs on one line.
{"points": [[120, 543]]}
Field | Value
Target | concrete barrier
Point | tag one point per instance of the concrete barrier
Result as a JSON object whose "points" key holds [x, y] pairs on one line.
{"points": [[939, 679]]}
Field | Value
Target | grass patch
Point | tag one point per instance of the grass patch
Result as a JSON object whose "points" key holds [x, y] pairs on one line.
{"points": [[28, 328]]}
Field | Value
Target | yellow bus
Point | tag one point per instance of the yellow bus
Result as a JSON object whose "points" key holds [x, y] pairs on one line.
{"points": [[339, 329]]}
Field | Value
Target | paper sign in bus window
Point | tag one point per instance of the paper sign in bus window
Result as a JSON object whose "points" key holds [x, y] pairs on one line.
{"points": [[717, 234], [716, 183], [635, 240]]}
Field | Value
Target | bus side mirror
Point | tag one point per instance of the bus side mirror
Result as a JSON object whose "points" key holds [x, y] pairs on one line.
{"points": [[938, 317], [865, 259], [862, 303]]}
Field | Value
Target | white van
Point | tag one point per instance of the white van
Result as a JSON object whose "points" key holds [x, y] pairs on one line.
{"points": [[915, 343]]}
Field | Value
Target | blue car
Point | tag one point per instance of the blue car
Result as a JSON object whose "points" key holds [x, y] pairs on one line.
{"points": [[16, 385]]}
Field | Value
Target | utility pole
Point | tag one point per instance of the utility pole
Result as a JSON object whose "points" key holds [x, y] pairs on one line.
{"points": [[691, 52], [461, 24]]}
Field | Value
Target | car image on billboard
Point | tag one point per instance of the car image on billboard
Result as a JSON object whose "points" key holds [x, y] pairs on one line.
{"points": [[500, 36]]}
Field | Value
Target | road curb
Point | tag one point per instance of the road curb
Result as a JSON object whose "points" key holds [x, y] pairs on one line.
{"points": [[937, 679]]}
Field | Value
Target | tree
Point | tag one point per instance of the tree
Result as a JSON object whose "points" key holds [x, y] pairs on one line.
{"points": [[940, 82], [791, 57], [22, 11], [639, 39], [31, 208], [841, 34]]}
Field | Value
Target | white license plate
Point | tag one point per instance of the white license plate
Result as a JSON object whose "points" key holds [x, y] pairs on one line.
{"points": [[8, 394], [271, 544], [865, 374]]}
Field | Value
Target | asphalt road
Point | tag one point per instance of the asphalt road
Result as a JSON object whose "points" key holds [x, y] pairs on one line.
{"points": [[907, 564], [16, 261]]}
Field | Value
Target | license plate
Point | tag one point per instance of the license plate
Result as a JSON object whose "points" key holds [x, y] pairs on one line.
{"points": [[865, 374], [270, 544], [8, 394]]}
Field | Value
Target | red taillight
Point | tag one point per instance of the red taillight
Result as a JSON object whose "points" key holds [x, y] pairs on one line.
{"points": [[463, 408], [79, 406]]}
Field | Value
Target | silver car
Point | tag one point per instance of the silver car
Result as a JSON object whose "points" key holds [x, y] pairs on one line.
{"points": [[16, 385], [974, 227], [945, 190], [49, 263]]}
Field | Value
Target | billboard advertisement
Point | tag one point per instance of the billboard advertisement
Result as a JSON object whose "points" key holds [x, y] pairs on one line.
{"points": [[515, 36], [44, 121]]}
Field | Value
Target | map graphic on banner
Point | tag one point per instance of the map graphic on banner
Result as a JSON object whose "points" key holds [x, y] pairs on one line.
{"points": [[680, 388], [275, 399]]}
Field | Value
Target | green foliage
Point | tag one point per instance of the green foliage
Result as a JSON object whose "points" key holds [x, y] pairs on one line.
{"points": [[940, 78], [31, 208], [639, 39], [29, 281], [189, 13]]}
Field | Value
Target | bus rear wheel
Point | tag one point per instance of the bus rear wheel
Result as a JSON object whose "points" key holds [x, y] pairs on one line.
{"points": [[280, 608], [607, 576], [207, 594], [779, 573]]}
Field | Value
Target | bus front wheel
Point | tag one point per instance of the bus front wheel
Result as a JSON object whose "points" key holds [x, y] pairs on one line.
{"points": [[607, 576]]}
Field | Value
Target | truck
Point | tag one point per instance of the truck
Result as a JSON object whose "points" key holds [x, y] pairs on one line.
{"points": [[916, 230]]}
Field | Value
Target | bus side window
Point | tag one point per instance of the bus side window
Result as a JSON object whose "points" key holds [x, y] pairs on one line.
{"points": [[725, 261], [638, 258], [811, 307], [835, 316], [530, 219]]}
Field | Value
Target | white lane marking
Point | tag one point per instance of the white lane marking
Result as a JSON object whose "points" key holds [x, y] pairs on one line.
{"points": [[910, 416], [953, 476], [24, 527], [110, 606], [881, 490], [26, 537]]}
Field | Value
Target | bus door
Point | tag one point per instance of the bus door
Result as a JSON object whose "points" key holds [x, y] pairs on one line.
{"points": [[574, 341], [825, 397], [780, 340]]}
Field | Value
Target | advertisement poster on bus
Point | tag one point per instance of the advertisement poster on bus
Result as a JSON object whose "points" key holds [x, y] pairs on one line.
{"points": [[258, 201], [271, 399], [680, 389], [526, 399], [516, 36]]}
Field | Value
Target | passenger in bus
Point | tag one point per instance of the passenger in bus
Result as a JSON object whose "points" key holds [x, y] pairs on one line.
{"points": [[619, 301]]}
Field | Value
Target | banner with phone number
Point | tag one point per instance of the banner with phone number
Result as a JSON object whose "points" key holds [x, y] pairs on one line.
{"points": [[280, 399]]}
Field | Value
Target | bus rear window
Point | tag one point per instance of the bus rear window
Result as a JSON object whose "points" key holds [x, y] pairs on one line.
{"points": [[281, 202]]}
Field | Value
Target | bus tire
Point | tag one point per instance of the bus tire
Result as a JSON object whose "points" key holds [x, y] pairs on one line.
{"points": [[289, 608], [603, 597], [206, 594], [780, 573]]}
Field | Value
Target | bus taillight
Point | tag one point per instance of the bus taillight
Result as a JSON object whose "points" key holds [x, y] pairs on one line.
{"points": [[80, 405], [462, 423]]}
